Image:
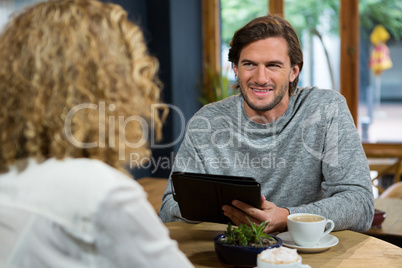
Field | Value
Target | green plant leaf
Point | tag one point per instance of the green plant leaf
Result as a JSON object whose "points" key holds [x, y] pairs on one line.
{"points": [[217, 88]]}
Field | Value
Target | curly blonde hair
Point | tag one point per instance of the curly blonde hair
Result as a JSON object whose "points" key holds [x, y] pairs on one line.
{"points": [[76, 80]]}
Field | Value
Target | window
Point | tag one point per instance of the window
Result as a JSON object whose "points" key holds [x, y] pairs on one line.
{"points": [[234, 15], [317, 26], [380, 101]]}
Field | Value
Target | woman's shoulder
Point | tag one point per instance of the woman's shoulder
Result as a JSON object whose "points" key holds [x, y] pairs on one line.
{"points": [[78, 177], [91, 171]]}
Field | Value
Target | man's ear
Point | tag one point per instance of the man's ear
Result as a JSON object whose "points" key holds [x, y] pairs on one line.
{"points": [[235, 69], [294, 72]]}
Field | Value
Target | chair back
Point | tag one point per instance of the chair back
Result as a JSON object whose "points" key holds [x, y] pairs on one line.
{"points": [[394, 191]]}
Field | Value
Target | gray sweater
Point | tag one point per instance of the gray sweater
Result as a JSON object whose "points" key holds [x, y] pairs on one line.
{"points": [[308, 160]]}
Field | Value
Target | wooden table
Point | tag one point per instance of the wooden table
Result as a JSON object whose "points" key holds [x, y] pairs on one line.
{"points": [[391, 229], [354, 249], [154, 187]]}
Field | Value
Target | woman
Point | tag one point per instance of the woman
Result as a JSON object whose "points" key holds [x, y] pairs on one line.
{"points": [[77, 91]]}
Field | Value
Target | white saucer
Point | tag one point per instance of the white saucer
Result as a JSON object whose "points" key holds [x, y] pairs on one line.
{"points": [[325, 243]]}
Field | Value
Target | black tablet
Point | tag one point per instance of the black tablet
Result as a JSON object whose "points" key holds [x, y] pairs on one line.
{"points": [[201, 196]]}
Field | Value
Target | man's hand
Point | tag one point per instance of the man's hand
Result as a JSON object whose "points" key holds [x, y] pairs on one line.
{"points": [[269, 212]]}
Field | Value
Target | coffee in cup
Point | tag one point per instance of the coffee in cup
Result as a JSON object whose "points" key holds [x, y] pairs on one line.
{"points": [[307, 229]]}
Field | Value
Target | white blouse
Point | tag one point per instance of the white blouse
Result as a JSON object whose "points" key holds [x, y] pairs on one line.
{"points": [[80, 213]]}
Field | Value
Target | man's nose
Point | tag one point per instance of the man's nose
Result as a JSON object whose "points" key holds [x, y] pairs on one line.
{"points": [[261, 75]]}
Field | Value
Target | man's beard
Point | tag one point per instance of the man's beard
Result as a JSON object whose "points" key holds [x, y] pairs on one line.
{"points": [[278, 96]]}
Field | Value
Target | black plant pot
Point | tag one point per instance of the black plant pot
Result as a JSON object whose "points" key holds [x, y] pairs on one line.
{"points": [[239, 256]]}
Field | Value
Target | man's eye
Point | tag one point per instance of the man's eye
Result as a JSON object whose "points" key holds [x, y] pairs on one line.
{"points": [[274, 65]]}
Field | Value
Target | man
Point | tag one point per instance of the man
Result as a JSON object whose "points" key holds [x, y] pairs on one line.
{"points": [[299, 143]]}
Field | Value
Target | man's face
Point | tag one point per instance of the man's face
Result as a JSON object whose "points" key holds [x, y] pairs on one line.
{"points": [[264, 73]]}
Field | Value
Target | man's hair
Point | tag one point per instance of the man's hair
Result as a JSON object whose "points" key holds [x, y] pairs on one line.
{"points": [[75, 72], [262, 28]]}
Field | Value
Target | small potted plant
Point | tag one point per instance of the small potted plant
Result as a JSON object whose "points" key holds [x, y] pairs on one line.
{"points": [[240, 246]]}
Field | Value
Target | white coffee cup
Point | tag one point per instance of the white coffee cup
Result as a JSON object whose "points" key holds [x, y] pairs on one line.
{"points": [[307, 229], [280, 258]]}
